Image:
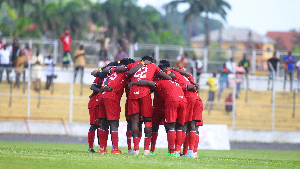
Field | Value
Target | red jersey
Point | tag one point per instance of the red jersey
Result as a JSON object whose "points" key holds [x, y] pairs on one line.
{"points": [[66, 42], [93, 102], [117, 81], [1, 45], [147, 72], [169, 91]]}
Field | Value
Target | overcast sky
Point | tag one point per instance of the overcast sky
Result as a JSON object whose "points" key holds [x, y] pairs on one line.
{"points": [[259, 15]]}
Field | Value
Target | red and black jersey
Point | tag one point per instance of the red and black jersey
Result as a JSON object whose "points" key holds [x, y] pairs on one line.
{"points": [[146, 72]]}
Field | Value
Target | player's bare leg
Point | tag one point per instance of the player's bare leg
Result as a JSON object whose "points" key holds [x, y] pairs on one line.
{"points": [[148, 131], [114, 125], [135, 132], [103, 135], [129, 136], [154, 136]]}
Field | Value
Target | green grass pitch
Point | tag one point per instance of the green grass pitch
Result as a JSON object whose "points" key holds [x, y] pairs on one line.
{"points": [[53, 155]]}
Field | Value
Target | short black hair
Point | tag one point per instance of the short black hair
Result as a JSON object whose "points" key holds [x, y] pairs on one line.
{"points": [[126, 61], [165, 63], [149, 58]]}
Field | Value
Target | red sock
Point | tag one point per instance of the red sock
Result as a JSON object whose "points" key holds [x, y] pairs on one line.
{"points": [[192, 141], [106, 138], [171, 141], [153, 140], [140, 135], [186, 144], [147, 143], [136, 142], [183, 137], [102, 138], [91, 136], [196, 143], [129, 135], [115, 140], [178, 141]]}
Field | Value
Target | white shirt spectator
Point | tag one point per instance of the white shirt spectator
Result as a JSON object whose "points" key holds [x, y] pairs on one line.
{"points": [[4, 54], [49, 66], [298, 65], [230, 65]]}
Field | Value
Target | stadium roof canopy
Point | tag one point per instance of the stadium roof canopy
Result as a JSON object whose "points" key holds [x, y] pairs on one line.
{"points": [[234, 34]]}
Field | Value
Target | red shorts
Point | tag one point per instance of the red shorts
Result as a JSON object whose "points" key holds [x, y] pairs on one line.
{"points": [[142, 105], [109, 109], [94, 115], [197, 111], [175, 112], [199, 123], [158, 117], [190, 109]]}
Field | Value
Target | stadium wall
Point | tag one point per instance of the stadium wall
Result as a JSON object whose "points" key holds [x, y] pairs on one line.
{"points": [[214, 133]]}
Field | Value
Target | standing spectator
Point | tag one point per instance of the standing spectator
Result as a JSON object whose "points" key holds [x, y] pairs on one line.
{"points": [[79, 55], [289, 62], [228, 102], [272, 62], [66, 42], [211, 82], [4, 63], [15, 50], [120, 55], [36, 70], [246, 64], [125, 43], [182, 63], [197, 64], [103, 62], [27, 51], [230, 64], [239, 70], [223, 78], [20, 64], [49, 70], [298, 66], [104, 44], [1, 44]]}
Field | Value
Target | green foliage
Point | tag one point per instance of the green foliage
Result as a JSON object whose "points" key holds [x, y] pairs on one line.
{"points": [[53, 155]]}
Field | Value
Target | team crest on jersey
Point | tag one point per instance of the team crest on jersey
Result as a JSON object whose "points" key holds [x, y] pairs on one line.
{"points": [[181, 97], [138, 92], [96, 120]]}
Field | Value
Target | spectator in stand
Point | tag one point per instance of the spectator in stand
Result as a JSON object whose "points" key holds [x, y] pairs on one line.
{"points": [[66, 42], [298, 67], [37, 61], [228, 102], [79, 55], [1, 44], [272, 62], [15, 50], [239, 70], [27, 52], [4, 63], [125, 43], [120, 55], [103, 63], [211, 82], [20, 64], [49, 70], [223, 78], [230, 64], [182, 63], [104, 44], [246, 64], [197, 64], [289, 62]]}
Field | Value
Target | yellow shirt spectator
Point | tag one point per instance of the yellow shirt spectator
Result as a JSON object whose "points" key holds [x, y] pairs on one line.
{"points": [[211, 84]]}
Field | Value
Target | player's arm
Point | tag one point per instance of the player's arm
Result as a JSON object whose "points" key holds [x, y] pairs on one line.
{"points": [[142, 83], [121, 69], [191, 87], [107, 88], [165, 76], [96, 89], [183, 72], [133, 70]]}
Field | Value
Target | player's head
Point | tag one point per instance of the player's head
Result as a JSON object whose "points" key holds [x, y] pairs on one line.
{"points": [[163, 64], [126, 61], [214, 74], [245, 56], [149, 58], [67, 32]]}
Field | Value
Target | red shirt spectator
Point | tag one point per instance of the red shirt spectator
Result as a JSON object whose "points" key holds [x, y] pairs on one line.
{"points": [[66, 41]]}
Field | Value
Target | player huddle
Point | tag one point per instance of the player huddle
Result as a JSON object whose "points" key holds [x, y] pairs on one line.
{"points": [[176, 105]]}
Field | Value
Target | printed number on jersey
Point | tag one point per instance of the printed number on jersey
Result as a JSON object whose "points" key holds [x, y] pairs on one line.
{"points": [[141, 73]]}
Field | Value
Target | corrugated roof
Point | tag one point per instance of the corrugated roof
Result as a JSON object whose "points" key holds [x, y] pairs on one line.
{"points": [[286, 37], [234, 34]]}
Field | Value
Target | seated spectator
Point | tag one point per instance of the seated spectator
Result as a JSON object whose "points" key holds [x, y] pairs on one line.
{"points": [[228, 102]]}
